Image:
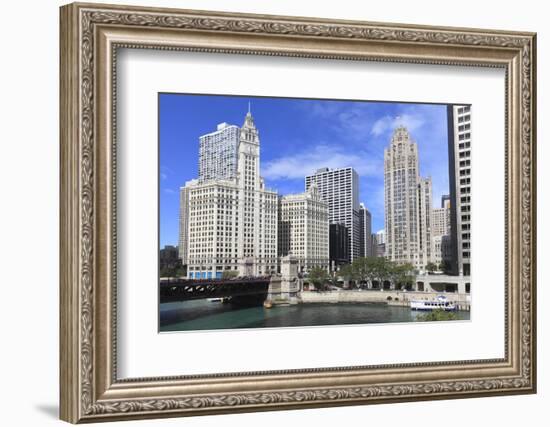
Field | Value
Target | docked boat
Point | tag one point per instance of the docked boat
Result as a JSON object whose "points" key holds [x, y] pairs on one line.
{"points": [[439, 303]]}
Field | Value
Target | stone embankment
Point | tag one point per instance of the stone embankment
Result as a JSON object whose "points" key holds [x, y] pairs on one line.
{"points": [[398, 298]]}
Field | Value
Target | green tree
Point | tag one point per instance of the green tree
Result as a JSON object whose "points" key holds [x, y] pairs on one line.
{"points": [[229, 274], [437, 316], [174, 271], [382, 270], [318, 276], [446, 266], [431, 267], [360, 269], [346, 272], [404, 275], [399, 275]]}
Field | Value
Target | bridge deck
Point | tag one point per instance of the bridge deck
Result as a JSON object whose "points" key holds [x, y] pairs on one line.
{"points": [[184, 290]]}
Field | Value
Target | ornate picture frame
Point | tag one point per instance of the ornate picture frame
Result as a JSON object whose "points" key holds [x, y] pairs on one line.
{"points": [[90, 37]]}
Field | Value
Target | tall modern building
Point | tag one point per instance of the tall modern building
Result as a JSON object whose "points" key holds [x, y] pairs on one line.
{"points": [[218, 153], [373, 245], [407, 203], [459, 131], [381, 236], [365, 232], [380, 243], [304, 229], [232, 218], [338, 246], [340, 189], [446, 201]]}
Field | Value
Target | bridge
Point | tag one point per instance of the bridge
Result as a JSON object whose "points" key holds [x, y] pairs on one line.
{"points": [[443, 283], [246, 290]]}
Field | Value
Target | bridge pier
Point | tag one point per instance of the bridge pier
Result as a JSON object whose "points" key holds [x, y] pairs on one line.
{"points": [[285, 289]]}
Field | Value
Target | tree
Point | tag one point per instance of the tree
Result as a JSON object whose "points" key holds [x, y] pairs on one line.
{"points": [[446, 266], [173, 271], [437, 315], [346, 272], [229, 274], [381, 270], [318, 276], [431, 267], [360, 269], [404, 275]]}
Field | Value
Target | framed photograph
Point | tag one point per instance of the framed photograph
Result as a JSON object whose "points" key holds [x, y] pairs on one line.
{"points": [[267, 212]]}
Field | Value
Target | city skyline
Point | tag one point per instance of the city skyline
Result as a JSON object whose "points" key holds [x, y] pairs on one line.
{"points": [[314, 134]]}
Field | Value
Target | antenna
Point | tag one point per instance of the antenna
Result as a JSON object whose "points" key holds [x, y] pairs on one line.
{"points": [[248, 107]]}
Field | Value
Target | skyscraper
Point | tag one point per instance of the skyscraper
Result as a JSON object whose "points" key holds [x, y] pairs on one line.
{"points": [[184, 221], [340, 189], [446, 201], [459, 131], [380, 243], [365, 238], [338, 245], [381, 236], [441, 234], [407, 203], [441, 221], [425, 220], [304, 229], [218, 153], [232, 221]]}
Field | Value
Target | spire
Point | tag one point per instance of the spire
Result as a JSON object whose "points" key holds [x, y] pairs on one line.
{"points": [[249, 120]]}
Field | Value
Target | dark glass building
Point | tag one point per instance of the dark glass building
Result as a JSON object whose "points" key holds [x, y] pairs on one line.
{"points": [[339, 245]]}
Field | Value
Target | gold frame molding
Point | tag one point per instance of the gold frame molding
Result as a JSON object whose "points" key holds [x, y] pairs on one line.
{"points": [[90, 36]]}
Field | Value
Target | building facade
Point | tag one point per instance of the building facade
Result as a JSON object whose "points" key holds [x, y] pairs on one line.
{"points": [[340, 189], [232, 223], [365, 232], [373, 245], [446, 201], [425, 220], [381, 236], [441, 221], [303, 229], [169, 258], [218, 153], [459, 131], [184, 221], [441, 249], [407, 203], [338, 246]]}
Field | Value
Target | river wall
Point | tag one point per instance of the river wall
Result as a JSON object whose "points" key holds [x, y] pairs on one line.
{"points": [[397, 297]]}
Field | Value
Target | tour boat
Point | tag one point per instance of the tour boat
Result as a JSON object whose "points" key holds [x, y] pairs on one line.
{"points": [[440, 303]]}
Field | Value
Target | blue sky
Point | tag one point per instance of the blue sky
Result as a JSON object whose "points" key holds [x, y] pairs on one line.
{"points": [[298, 136]]}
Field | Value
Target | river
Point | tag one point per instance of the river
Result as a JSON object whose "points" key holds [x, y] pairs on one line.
{"points": [[206, 315]]}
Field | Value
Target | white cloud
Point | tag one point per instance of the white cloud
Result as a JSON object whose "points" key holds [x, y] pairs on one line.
{"points": [[387, 123], [302, 163], [170, 191]]}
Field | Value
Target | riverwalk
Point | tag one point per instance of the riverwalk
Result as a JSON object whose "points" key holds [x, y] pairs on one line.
{"points": [[394, 298]]}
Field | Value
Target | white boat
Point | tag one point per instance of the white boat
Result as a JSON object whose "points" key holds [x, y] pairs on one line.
{"points": [[440, 303]]}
